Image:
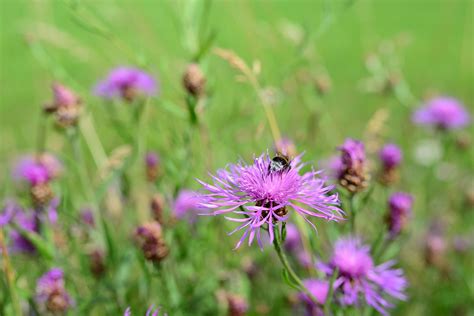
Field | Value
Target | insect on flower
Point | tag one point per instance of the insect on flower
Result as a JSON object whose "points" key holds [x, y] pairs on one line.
{"points": [[279, 163]]}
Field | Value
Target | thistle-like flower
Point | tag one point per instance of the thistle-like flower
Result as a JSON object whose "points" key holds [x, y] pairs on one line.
{"points": [[285, 146], [319, 289], [194, 80], [358, 279], [390, 156], [444, 113], [400, 205], [187, 205], [265, 192], [352, 175], [149, 237], [51, 293], [126, 83], [66, 105]]}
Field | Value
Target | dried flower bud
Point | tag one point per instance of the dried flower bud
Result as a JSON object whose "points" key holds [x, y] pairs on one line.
{"points": [[157, 205], [97, 263], [194, 81], [66, 106], [149, 237], [41, 194], [152, 163]]}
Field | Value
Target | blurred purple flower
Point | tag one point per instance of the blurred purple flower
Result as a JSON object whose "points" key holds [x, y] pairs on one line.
{"points": [[126, 83], [51, 292], [151, 311], [27, 222], [87, 217], [187, 204], [358, 278], [152, 159], [52, 210], [352, 174], [293, 238], [8, 212], [442, 112], [400, 205], [264, 196], [319, 289], [63, 96], [37, 170], [391, 156]]}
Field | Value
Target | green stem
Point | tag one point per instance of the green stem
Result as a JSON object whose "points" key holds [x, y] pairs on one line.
{"points": [[352, 214], [284, 260], [9, 275], [327, 304]]}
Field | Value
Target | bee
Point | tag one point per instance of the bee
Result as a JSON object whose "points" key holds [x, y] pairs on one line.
{"points": [[279, 164]]}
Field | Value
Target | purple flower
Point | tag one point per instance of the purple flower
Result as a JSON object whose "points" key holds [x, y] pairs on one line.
{"points": [[151, 311], [352, 169], [37, 170], [391, 156], [87, 217], [265, 191], [152, 159], [319, 289], [8, 212], [126, 83], [400, 205], [443, 113], [187, 204], [51, 292], [359, 279], [64, 97], [27, 222], [32, 171]]}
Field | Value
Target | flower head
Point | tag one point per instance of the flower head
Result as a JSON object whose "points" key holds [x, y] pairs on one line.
{"points": [[319, 289], [149, 237], [28, 222], [126, 83], [400, 205], [285, 146], [187, 204], [265, 191], [51, 292], [359, 279], [152, 163], [391, 156], [37, 170], [352, 174], [442, 112], [194, 80]]}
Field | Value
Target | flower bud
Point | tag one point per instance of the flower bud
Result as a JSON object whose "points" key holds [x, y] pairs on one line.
{"points": [[51, 293], [353, 175], [150, 239], [157, 205], [194, 80], [97, 263]]}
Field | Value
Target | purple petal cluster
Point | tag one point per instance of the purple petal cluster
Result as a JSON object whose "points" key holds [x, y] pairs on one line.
{"points": [[400, 205], [51, 292], [126, 83], [152, 159], [319, 289], [63, 96], [352, 154], [442, 112], [294, 245], [263, 197], [358, 279], [14, 213], [391, 156], [187, 204], [37, 170]]}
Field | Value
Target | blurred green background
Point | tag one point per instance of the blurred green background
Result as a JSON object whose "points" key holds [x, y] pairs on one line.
{"points": [[426, 45]]}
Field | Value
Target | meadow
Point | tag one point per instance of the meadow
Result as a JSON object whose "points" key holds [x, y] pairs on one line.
{"points": [[118, 119]]}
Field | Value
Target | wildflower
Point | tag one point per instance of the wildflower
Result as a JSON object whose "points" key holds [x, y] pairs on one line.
{"points": [[186, 204], [38, 172], [390, 156], [51, 292], [352, 174], [358, 279], [151, 311], [194, 80], [237, 305], [152, 163], [66, 105], [294, 245], [400, 205], [285, 146], [444, 113], [26, 221], [319, 289], [436, 246], [126, 83], [150, 239], [157, 205], [87, 217], [265, 191]]}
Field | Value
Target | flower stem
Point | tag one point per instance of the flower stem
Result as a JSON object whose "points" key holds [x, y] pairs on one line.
{"points": [[9, 275], [327, 304], [352, 214], [277, 243]]}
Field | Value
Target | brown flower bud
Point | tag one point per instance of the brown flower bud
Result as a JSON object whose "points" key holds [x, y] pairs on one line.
{"points": [[237, 305], [157, 205], [97, 263], [41, 194], [322, 84], [194, 81], [150, 239]]}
